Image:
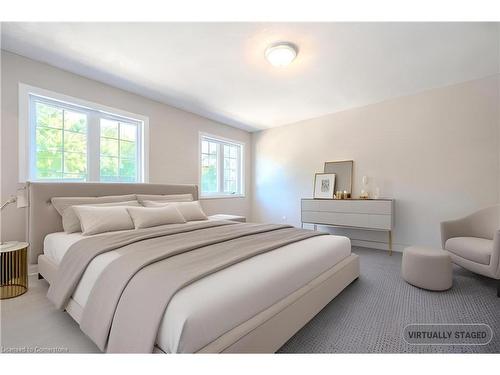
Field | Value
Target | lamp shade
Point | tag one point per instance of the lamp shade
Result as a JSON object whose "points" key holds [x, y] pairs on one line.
{"points": [[22, 197]]}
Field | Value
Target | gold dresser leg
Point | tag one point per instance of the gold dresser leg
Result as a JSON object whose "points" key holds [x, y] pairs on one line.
{"points": [[390, 243]]}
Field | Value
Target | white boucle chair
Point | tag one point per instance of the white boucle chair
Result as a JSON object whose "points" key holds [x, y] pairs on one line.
{"points": [[473, 242]]}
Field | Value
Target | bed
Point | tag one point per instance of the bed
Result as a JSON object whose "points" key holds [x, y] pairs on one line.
{"points": [[255, 305]]}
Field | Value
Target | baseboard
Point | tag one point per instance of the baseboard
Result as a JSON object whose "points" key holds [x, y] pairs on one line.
{"points": [[377, 245], [32, 269]]}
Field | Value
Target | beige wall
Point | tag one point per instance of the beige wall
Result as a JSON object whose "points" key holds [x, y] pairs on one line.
{"points": [[436, 153], [173, 133]]}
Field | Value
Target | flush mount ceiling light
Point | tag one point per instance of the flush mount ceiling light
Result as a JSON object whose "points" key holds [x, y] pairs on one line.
{"points": [[281, 54]]}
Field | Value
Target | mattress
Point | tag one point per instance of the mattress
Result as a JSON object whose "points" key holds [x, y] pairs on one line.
{"points": [[208, 308], [55, 245]]}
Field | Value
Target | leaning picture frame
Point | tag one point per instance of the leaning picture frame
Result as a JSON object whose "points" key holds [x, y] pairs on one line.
{"points": [[343, 171], [324, 185]]}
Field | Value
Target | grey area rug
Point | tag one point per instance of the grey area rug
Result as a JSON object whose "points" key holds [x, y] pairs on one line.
{"points": [[369, 315]]}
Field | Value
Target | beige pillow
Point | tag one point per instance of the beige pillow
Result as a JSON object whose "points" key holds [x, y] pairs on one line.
{"points": [[70, 221], [96, 220], [190, 210], [145, 217], [165, 198]]}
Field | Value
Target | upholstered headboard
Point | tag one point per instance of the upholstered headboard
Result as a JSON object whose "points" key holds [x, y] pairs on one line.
{"points": [[44, 219]]}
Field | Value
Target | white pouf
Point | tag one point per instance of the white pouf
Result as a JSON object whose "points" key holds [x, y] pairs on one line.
{"points": [[427, 268]]}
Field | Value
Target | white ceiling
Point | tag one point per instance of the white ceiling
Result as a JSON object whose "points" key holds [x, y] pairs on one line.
{"points": [[218, 70]]}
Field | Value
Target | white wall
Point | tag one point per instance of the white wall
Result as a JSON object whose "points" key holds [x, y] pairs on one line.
{"points": [[436, 153], [173, 133]]}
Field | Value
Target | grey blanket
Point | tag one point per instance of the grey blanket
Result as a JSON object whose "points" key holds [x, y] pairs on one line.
{"points": [[128, 301], [81, 253]]}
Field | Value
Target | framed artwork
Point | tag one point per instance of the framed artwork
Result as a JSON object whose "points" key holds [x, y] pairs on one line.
{"points": [[324, 185], [343, 171]]}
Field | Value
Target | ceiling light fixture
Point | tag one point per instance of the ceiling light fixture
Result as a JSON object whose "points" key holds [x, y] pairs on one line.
{"points": [[281, 54]]}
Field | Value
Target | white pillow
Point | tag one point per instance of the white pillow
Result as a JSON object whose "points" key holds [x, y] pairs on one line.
{"points": [[96, 220], [70, 221], [145, 217], [190, 210], [165, 198]]}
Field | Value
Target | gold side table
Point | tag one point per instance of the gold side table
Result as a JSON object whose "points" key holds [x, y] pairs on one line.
{"points": [[13, 269]]}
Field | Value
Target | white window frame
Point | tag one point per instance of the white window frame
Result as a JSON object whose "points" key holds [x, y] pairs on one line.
{"points": [[27, 133], [220, 166]]}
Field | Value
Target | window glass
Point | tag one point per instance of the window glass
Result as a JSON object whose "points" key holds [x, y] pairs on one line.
{"points": [[209, 167], [61, 146], [220, 167], [118, 151], [60, 143]]}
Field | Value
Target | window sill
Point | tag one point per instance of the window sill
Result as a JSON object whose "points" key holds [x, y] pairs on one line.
{"points": [[207, 197], [21, 181]]}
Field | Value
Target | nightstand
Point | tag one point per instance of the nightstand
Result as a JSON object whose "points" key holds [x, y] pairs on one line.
{"points": [[241, 219], [14, 267]]}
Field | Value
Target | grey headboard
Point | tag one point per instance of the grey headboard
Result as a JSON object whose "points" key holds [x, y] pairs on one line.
{"points": [[44, 219]]}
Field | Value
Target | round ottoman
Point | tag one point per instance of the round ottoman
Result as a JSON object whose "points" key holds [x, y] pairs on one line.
{"points": [[427, 268]]}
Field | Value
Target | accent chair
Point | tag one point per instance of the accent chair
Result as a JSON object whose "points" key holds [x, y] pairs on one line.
{"points": [[473, 242]]}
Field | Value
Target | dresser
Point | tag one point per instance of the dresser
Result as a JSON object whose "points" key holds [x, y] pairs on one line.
{"points": [[367, 214]]}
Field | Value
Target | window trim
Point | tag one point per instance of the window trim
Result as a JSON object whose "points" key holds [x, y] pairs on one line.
{"points": [[25, 144], [217, 138]]}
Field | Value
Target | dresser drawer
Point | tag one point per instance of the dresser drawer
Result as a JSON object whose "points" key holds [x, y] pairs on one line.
{"points": [[358, 220], [381, 207]]}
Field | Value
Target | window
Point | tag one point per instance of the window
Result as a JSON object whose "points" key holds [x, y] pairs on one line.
{"points": [[60, 143], [65, 139], [221, 167], [118, 151]]}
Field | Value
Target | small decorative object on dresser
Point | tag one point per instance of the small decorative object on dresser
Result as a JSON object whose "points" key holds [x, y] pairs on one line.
{"points": [[364, 192], [14, 267], [324, 185]]}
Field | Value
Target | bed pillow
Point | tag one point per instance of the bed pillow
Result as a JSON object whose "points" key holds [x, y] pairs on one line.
{"points": [[145, 217], [165, 198], [70, 221], [191, 211], [96, 219]]}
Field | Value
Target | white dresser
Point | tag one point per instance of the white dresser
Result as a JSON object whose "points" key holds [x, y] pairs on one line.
{"points": [[367, 214]]}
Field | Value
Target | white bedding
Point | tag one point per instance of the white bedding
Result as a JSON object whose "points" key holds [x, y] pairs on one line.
{"points": [[55, 245], [206, 309]]}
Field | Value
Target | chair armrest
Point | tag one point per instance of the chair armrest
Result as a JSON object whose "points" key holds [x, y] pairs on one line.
{"points": [[453, 228], [484, 223], [495, 255]]}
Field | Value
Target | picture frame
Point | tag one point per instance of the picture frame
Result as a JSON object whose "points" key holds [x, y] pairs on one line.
{"points": [[324, 185], [343, 171]]}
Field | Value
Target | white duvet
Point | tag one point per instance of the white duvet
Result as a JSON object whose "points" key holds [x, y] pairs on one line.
{"points": [[208, 308]]}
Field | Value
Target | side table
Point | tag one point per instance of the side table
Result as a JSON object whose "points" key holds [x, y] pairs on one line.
{"points": [[13, 269]]}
